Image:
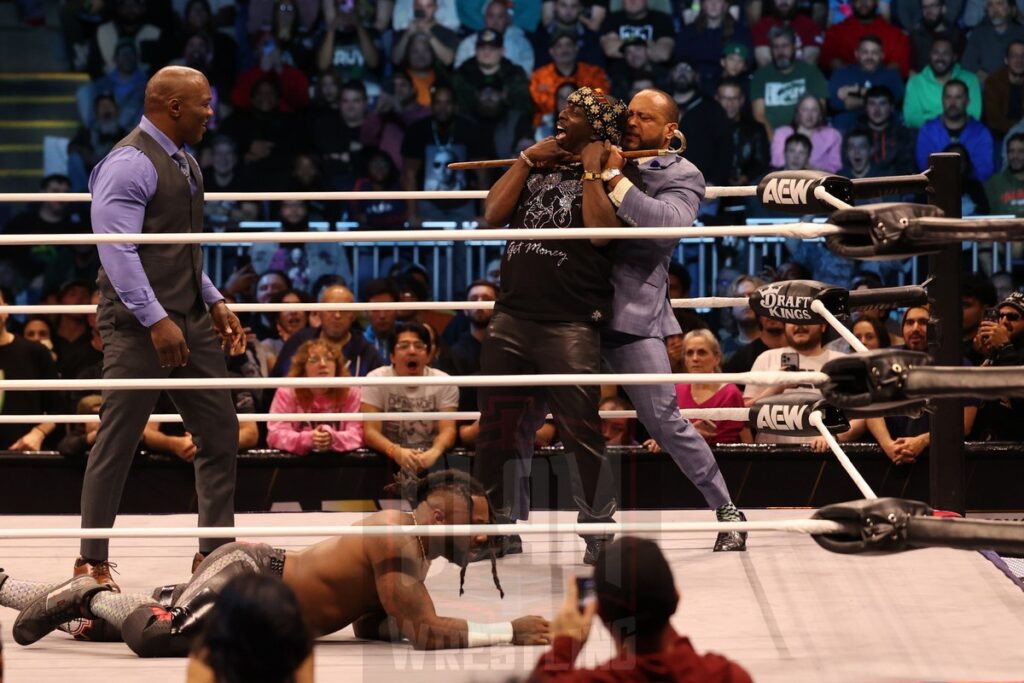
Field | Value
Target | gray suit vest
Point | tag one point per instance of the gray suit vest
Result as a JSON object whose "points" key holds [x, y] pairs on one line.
{"points": [[174, 270]]}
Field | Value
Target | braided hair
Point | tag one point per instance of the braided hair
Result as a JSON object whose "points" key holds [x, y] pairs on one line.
{"points": [[416, 489]]}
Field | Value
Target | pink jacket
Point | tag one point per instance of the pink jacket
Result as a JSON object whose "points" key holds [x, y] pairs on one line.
{"points": [[297, 437], [826, 148]]}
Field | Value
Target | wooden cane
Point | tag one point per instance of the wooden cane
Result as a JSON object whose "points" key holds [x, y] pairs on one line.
{"points": [[635, 154]]}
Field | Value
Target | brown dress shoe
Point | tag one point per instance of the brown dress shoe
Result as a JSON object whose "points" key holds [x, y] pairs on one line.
{"points": [[99, 571], [196, 561]]}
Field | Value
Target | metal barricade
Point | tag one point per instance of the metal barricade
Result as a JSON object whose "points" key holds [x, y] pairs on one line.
{"points": [[453, 265]]}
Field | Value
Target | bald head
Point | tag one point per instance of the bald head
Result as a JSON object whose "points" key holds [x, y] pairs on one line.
{"points": [[171, 82], [336, 325], [660, 102], [178, 103], [336, 294], [653, 120]]}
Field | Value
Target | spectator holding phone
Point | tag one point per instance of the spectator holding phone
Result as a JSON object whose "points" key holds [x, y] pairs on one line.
{"points": [[443, 40], [348, 46], [803, 352], [1001, 338], [702, 354], [316, 358], [291, 83], [635, 596]]}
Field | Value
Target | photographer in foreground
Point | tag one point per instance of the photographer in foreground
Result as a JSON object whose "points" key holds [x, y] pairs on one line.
{"points": [[635, 596]]}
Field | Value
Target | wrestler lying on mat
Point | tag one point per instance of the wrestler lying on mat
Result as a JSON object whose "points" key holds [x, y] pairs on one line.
{"points": [[374, 583]]}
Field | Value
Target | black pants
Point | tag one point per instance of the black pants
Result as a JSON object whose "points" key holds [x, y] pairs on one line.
{"points": [[210, 416], [516, 347], [167, 630]]}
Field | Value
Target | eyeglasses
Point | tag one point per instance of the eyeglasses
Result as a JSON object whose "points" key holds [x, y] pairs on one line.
{"points": [[321, 360], [405, 346], [1012, 317]]}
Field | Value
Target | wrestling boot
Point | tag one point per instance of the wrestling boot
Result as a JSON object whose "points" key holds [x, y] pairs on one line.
{"points": [[64, 603], [98, 570], [732, 541]]}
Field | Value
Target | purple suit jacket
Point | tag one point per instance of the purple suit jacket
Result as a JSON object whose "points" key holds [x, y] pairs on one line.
{"points": [[675, 189]]}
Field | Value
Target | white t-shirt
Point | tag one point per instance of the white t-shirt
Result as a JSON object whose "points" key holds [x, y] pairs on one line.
{"points": [[411, 399], [770, 361]]}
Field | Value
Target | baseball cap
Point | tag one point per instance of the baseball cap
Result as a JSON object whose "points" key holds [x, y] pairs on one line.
{"points": [[734, 48], [489, 37]]}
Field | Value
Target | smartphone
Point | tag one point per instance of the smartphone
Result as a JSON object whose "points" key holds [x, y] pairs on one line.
{"points": [[790, 361], [992, 314], [269, 47], [585, 592]]}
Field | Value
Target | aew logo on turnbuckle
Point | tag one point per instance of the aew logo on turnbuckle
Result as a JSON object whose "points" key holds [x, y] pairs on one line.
{"points": [[787, 191], [782, 418], [781, 306]]}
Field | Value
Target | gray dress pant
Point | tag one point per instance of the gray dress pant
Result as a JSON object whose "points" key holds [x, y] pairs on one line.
{"points": [[657, 407], [210, 416]]}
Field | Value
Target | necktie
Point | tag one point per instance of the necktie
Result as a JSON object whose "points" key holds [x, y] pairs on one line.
{"points": [[179, 157]]}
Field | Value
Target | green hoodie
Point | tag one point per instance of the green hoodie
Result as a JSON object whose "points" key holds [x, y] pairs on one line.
{"points": [[923, 100]]}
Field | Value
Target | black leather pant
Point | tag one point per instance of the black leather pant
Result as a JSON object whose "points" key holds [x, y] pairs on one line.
{"points": [[168, 628], [514, 346]]}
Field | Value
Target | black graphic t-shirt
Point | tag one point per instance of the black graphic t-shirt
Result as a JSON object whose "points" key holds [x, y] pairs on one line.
{"points": [[557, 280], [654, 26]]}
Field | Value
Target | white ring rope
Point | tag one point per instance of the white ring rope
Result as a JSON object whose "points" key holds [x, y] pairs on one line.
{"points": [[796, 230], [735, 414], [85, 309], [823, 195], [764, 378], [711, 192], [837, 325], [709, 302], [844, 460], [717, 191], [800, 526]]}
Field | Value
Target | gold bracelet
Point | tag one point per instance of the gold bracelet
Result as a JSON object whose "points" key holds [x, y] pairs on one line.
{"points": [[525, 159]]}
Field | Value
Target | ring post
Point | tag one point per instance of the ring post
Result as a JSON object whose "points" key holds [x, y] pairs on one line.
{"points": [[947, 464]]}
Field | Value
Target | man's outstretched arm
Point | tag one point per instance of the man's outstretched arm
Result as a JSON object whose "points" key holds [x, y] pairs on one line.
{"points": [[408, 606]]}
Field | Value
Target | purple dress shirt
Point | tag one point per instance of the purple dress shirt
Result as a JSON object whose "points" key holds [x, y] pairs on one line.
{"points": [[122, 185]]}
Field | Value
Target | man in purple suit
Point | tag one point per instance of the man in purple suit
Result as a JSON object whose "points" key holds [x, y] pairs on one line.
{"points": [[633, 341]]}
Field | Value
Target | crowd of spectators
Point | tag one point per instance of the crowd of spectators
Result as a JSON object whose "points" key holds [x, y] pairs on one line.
{"points": [[388, 343], [354, 94], [343, 94]]}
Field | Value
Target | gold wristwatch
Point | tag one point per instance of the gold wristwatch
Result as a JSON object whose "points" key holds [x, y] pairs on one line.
{"points": [[591, 175]]}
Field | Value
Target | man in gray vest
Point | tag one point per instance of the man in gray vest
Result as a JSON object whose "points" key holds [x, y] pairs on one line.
{"points": [[159, 315]]}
